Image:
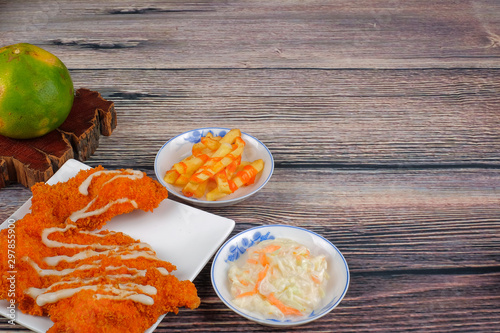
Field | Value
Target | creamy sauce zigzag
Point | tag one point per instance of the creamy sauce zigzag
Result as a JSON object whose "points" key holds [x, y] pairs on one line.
{"points": [[118, 290]]}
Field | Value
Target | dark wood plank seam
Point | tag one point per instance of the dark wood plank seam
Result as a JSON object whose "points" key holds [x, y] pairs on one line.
{"points": [[410, 167], [433, 271], [371, 69]]}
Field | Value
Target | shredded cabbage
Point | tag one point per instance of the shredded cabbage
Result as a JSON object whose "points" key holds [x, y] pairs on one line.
{"points": [[278, 279]]}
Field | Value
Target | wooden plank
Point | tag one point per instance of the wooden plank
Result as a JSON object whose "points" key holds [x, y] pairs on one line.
{"points": [[391, 303], [381, 220], [387, 220], [11, 198], [256, 34], [349, 117]]}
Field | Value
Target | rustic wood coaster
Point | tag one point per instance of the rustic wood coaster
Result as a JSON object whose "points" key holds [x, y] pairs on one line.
{"points": [[30, 161]]}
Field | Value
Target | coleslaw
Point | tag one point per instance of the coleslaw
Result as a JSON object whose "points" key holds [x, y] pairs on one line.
{"points": [[278, 279]]}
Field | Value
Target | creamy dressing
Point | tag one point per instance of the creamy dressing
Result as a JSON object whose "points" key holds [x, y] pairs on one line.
{"points": [[97, 233], [55, 260], [163, 270], [278, 279], [114, 251], [139, 298], [126, 291], [55, 272], [84, 187], [119, 291], [138, 254], [138, 272], [83, 213]]}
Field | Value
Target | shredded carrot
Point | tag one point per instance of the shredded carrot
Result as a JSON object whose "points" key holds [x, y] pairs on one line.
{"points": [[263, 259], [252, 261], [270, 248], [248, 293], [315, 279], [243, 282], [286, 310], [262, 275], [255, 290]]}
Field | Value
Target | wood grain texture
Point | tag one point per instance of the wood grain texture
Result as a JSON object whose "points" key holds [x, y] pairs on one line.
{"points": [[382, 117], [378, 304], [256, 34], [321, 117], [451, 302], [382, 220]]}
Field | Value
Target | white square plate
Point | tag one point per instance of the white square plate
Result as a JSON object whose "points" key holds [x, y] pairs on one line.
{"points": [[185, 236]]}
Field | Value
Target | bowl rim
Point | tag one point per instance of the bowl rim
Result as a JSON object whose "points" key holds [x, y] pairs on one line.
{"points": [[217, 202], [271, 322]]}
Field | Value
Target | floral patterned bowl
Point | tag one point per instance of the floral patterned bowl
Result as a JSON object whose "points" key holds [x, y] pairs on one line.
{"points": [[232, 249], [180, 146]]}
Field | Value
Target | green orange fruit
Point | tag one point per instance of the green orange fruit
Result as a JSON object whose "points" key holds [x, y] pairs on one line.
{"points": [[36, 91]]}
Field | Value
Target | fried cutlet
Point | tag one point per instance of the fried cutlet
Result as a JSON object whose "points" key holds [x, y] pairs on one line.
{"points": [[88, 280]]}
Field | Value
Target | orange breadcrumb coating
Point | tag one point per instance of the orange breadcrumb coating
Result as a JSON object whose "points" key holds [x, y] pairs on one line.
{"points": [[90, 310], [147, 193]]}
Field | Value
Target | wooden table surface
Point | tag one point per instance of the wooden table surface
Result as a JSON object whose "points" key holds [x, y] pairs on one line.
{"points": [[382, 117]]}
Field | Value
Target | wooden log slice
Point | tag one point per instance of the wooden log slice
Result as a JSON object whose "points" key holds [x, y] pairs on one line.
{"points": [[4, 173], [36, 160]]}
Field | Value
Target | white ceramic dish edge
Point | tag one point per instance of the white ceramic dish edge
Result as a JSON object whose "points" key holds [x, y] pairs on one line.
{"points": [[254, 149]]}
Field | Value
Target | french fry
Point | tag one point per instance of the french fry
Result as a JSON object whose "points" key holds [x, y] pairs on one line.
{"points": [[234, 166], [211, 184], [180, 172], [231, 136], [215, 167], [225, 161], [211, 136], [207, 170], [210, 143], [198, 148], [182, 180], [190, 189], [171, 176], [215, 194], [188, 165], [222, 181], [244, 177], [200, 190], [248, 174]]}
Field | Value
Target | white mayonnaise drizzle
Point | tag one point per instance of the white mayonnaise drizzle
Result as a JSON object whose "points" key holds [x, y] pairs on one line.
{"points": [[97, 233], [125, 291], [163, 270], [113, 251], [121, 291], [55, 272], [140, 298], [83, 213], [84, 187]]}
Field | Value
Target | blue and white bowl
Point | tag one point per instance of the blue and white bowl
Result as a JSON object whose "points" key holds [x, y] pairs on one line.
{"points": [[232, 249], [179, 148]]}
